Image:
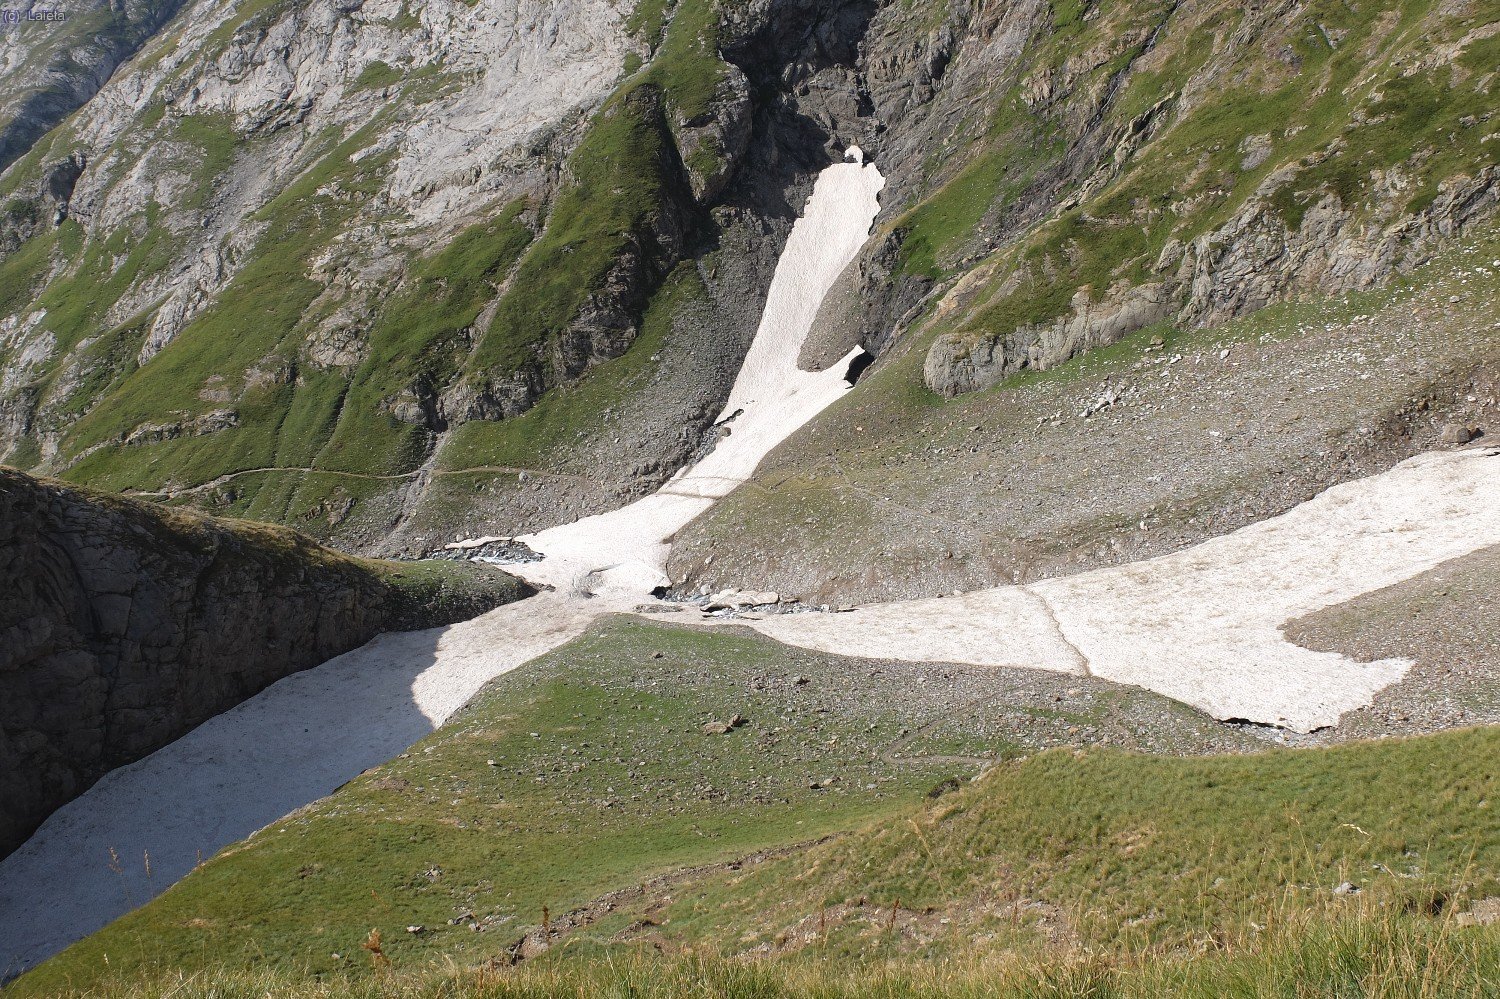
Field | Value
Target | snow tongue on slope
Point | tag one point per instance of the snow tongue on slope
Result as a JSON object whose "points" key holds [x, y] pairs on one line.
{"points": [[1203, 625], [624, 552]]}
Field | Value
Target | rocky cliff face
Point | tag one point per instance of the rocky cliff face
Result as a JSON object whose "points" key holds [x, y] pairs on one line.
{"points": [[266, 175], [291, 247], [1215, 160], [51, 65], [392, 273], [1253, 260], [125, 624]]}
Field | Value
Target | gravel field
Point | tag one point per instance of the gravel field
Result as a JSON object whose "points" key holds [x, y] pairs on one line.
{"points": [[1127, 453]]}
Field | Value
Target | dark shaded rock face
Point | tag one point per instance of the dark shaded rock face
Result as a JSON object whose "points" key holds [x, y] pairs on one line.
{"points": [[67, 62], [123, 625]]}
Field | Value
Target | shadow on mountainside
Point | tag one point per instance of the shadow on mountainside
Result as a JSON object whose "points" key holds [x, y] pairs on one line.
{"points": [[145, 825], [126, 624]]}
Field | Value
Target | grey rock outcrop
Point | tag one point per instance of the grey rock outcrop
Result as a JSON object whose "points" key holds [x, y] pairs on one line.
{"points": [[954, 366], [1256, 258], [48, 69], [125, 624], [1253, 260], [713, 142]]}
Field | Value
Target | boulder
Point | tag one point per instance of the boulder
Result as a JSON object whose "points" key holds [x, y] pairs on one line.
{"points": [[1455, 434], [740, 599], [723, 727]]}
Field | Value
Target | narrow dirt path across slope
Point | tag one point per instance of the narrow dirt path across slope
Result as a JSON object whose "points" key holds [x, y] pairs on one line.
{"points": [[430, 472]]}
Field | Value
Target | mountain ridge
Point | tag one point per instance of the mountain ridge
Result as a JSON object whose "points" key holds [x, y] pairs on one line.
{"points": [[1157, 397], [1041, 110]]}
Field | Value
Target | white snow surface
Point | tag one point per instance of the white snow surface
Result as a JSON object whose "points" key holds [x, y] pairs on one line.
{"points": [[1202, 626], [625, 551], [294, 742]]}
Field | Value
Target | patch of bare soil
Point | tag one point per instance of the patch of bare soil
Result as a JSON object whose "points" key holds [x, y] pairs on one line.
{"points": [[1447, 621]]}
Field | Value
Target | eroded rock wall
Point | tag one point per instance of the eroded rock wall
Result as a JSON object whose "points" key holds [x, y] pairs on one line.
{"points": [[49, 68], [1254, 260], [125, 624]]}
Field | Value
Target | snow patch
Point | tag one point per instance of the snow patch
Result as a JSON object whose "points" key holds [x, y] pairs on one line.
{"points": [[624, 552], [1203, 625]]}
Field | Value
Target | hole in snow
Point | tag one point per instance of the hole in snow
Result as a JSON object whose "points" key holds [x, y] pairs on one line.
{"points": [[858, 366]]}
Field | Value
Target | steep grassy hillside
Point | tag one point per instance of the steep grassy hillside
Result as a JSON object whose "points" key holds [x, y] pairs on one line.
{"points": [[1343, 130], [210, 323], [1397, 956], [300, 326], [1131, 855], [1147, 156], [1086, 873], [590, 770]]}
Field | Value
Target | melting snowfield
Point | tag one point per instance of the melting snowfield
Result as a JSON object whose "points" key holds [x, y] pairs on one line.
{"points": [[625, 551], [1202, 625], [301, 738]]}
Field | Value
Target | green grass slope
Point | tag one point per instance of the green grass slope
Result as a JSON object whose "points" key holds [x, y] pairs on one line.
{"points": [[577, 818], [1071, 873], [1339, 96], [580, 774], [1121, 853], [1356, 955], [301, 436]]}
